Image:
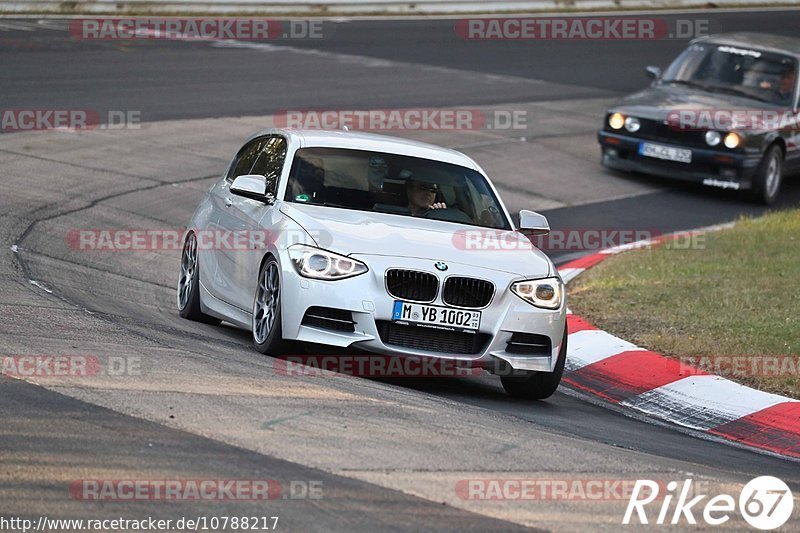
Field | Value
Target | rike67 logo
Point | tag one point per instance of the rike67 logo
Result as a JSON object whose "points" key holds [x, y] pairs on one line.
{"points": [[765, 503]]}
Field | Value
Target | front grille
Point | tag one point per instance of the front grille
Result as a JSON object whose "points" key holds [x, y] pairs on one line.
{"points": [[467, 292], [528, 344], [329, 318], [431, 339], [412, 285], [670, 133]]}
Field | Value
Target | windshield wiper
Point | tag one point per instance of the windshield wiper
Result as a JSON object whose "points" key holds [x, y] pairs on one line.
{"points": [[737, 92]]}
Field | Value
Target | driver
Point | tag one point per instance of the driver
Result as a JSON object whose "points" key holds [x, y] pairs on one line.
{"points": [[422, 196]]}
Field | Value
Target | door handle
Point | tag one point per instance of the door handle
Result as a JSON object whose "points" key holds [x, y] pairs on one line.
{"points": [[228, 202]]}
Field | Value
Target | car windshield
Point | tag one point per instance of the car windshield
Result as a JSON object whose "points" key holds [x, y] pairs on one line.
{"points": [[739, 71], [395, 184]]}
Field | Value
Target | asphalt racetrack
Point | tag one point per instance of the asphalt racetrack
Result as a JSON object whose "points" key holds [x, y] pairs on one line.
{"points": [[193, 401]]}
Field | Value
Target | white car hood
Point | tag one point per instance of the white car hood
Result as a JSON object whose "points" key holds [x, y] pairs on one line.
{"points": [[351, 232]]}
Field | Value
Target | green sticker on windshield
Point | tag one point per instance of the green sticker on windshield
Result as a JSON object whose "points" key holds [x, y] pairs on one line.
{"points": [[301, 198]]}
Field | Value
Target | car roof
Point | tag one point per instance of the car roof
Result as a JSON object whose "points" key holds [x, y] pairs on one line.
{"points": [[759, 41], [373, 142]]}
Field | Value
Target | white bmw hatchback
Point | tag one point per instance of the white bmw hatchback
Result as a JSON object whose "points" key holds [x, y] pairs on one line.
{"points": [[369, 242]]}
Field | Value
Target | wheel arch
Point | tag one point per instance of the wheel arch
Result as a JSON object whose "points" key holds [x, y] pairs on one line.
{"points": [[775, 140], [266, 257]]}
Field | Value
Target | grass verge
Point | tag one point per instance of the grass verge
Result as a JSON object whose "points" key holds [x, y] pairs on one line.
{"points": [[729, 304]]}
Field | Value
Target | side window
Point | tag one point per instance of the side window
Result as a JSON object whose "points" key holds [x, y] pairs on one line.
{"points": [[270, 162], [247, 156]]}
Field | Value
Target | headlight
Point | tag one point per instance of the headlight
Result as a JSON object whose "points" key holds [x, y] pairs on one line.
{"points": [[545, 293], [713, 138], [316, 263], [616, 121], [632, 124], [732, 140]]}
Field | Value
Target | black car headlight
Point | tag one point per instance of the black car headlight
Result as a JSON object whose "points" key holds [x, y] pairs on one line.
{"points": [[545, 293], [316, 263]]}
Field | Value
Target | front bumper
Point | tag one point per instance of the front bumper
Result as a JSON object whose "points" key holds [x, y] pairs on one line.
{"points": [[710, 167], [366, 298]]}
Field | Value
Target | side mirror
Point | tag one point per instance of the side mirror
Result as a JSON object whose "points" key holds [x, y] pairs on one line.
{"points": [[253, 186], [653, 72], [533, 223]]}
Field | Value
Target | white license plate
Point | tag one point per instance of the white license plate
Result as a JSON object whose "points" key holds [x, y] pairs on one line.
{"points": [[669, 153], [436, 317]]}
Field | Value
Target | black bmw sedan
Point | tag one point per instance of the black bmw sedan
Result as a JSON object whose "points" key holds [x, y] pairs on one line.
{"points": [[724, 113]]}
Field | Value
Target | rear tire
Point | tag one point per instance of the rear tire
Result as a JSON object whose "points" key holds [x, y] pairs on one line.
{"points": [[768, 177], [538, 385], [189, 285], [267, 335]]}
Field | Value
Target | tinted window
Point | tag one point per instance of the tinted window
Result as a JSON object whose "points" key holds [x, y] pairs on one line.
{"points": [[394, 184], [739, 71], [270, 162], [247, 156]]}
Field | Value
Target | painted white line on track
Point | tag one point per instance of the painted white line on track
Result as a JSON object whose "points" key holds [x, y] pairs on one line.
{"points": [[372, 62], [16, 26], [625, 247], [41, 285]]}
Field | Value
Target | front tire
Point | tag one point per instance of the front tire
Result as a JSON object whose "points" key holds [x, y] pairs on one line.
{"points": [[538, 385], [267, 336], [189, 285], [768, 177]]}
